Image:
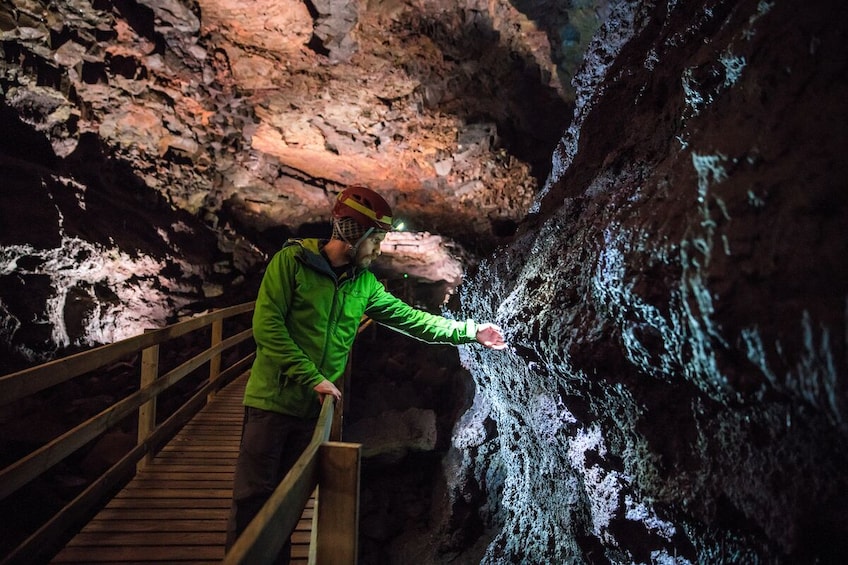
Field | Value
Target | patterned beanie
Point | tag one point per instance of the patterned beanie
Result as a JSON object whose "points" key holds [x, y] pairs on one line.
{"points": [[349, 230]]}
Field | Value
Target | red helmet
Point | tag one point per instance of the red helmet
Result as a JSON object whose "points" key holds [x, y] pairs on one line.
{"points": [[365, 206]]}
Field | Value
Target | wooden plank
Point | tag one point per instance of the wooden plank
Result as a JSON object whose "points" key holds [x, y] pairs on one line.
{"points": [[201, 448], [217, 471], [223, 421], [151, 483], [150, 553], [204, 524], [202, 475], [180, 525], [219, 432], [164, 513], [199, 459], [175, 511], [175, 467], [208, 445], [216, 427], [212, 437], [225, 438], [127, 504], [216, 437], [338, 510], [229, 452], [305, 522], [171, 493], [103, 539]]}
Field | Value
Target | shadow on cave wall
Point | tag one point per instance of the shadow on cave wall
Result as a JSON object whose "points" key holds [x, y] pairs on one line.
{"points": [[569, 26], [403, 394], [48, 205], [488, 83], [100, 199]]}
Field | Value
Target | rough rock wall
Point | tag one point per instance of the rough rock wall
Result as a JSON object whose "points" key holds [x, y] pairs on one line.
{"points": [[107, 166], [675, 390]]}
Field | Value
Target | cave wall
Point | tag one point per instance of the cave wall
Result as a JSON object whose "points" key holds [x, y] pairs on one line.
{"points": [[675, 389]]}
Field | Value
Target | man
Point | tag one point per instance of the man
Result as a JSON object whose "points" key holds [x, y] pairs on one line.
{"points": [[308, 310]]}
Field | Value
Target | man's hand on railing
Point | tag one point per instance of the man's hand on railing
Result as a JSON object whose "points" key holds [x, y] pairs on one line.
{"points": [[326, 387]]}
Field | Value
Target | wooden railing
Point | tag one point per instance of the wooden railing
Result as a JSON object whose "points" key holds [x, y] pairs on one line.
{"points": [[331, 464], [24, 383]]}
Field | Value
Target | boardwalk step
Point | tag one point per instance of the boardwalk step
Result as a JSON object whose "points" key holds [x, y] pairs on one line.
{"points": [[175, 510]]}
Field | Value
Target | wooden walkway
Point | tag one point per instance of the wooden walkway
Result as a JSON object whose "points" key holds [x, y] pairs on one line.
{"points": [[175, 510]]}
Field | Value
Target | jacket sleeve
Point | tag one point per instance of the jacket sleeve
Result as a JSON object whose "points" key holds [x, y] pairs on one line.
{"points": [[269, 321], [390, 311]]}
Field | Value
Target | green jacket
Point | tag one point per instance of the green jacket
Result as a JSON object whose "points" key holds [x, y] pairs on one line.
{"points": [[305, 322]]}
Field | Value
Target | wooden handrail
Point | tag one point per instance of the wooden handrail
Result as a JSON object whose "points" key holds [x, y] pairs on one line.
{"points": [[29, 381], [334, 468], [334, 464], [33, 465], [265, 535]]}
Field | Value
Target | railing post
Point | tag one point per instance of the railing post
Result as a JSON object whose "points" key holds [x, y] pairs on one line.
{"points": [[147, 411], [338, 502], [215, 362], [338, 413]]}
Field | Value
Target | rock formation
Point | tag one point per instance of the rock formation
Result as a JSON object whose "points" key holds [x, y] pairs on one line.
{"points": [[676, 389]]}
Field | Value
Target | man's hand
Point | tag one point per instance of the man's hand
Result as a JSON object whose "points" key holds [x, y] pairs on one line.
{"points": [[326, 387], [491, 336]]}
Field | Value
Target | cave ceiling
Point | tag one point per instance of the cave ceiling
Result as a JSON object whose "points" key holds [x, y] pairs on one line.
{"points": [[258, 113]]}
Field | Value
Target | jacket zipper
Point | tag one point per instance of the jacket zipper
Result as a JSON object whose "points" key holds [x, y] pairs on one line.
{"points": [[331, 327]]}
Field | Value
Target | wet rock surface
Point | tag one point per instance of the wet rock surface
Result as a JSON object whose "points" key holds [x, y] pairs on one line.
{"points": [[675, 389]]}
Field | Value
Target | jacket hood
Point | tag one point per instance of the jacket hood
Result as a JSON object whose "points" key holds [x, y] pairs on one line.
{"points": [[311, 256]]}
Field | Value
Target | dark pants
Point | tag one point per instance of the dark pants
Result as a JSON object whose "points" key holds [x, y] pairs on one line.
{"points": [[271, 443]]}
